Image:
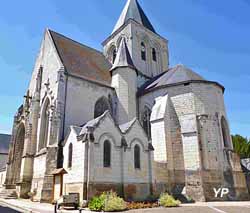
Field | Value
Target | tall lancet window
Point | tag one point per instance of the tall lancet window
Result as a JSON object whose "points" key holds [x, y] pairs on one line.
{"points": [[143, 51], [137, 157], [154, 57], [106, 154], [114, 53], [146, 121], [70, 155], [44, 127]]}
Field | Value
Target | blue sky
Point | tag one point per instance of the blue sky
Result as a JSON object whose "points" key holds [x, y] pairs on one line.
{"points": [[211, 37]]}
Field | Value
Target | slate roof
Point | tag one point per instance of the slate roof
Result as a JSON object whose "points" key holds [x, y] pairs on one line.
{"points": [[176, 75], [123, 58], [92, 123], [4, 143], [81, 60], [125, 127], [133, 10]]}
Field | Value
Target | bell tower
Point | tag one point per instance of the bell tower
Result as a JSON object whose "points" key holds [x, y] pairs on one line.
{"points": [[148, 50]]}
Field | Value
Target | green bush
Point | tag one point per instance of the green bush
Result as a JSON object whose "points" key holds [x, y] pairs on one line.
{"points": [[113, 202], [167, 200], [107, 201], [97, 203]]}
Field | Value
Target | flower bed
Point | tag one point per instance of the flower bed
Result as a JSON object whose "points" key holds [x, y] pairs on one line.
{"points": [[110, 202]]}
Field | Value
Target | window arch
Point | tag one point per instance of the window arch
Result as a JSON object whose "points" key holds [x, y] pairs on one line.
{"points": [[107, 154], [70, 155], [143, 51], [101, 106], [44, 127], [114, 53], [146, 121], [154, 57], [137, 157]]}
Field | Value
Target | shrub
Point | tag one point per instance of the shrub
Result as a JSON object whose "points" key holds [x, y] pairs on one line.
{"points": [[167, 200], [107, 201], [113, 202], [97, 203]]}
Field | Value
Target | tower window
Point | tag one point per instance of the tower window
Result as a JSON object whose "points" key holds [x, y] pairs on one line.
{"points": [[107, 154], [137, 157], [154, 54], [114, 55], [143, 51]]}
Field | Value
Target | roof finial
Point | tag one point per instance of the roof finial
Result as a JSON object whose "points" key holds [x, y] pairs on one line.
{"points": [[133, 10]]}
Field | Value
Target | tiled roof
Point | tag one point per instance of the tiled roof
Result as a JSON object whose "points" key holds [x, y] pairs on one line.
{"points": [[133, 10], [176, 75], [82, 61], [4, 143]]}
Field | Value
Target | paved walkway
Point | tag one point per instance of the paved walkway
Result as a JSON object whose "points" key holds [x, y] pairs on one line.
{"points": [[211, 207]]}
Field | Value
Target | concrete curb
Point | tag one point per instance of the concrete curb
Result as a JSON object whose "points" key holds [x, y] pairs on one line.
{"points": [[15, 207]]}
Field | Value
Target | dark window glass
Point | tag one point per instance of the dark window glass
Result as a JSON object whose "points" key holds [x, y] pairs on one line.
{"points": [[114, 55], [44, 127], [107, 154], [154, 54], [70, 155], [137, 157], [225, 132], [146, 121], [143, 51]]}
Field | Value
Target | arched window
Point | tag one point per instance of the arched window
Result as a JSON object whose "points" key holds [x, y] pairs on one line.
{"points": [[154, 55], [70, 155], [101, 106], [146, 121], [137, 157], [107, 154], [143, 51], [44, 127], [225, 133], [114, 55]]}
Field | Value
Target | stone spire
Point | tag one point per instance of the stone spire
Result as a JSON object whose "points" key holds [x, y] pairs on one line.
{"points": [[133, 10], [123, 58]]}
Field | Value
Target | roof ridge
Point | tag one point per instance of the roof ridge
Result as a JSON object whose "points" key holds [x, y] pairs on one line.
{"points": [[77, 42]]}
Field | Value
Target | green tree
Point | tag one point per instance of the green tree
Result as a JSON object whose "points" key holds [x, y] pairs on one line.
{"points": [[241, 146]]}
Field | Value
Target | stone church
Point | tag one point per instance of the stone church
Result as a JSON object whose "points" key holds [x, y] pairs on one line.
{"points": [[121, 119]]}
